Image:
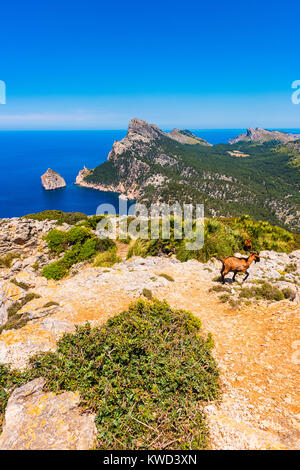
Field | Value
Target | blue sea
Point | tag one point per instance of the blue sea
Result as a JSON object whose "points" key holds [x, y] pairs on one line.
{"points": [[26, 155]]}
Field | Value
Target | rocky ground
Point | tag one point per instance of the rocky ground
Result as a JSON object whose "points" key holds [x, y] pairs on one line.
{"points": [[256, 343]]}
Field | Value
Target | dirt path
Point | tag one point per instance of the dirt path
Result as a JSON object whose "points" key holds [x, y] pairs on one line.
{"points": [[257, 350], [122, 249]]}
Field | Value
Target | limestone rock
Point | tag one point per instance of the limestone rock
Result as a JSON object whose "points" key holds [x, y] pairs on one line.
{"points": [[38, 420], [3, 311], [187, 137], [52, 180], [22, 235], [263, 135]]}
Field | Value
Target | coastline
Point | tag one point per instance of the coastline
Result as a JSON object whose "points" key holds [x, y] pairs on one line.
{"points": [[120, 188]]}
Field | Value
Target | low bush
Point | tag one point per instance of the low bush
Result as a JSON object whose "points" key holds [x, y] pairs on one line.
{"points": [[219, 289], [265, 291], [107, 259], [224, 298], [145, 373], [147, 294], [70, 218], [78, 244], [222, 237]]}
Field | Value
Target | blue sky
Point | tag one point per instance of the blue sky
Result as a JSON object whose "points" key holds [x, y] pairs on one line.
{"points": [[94, 65]]}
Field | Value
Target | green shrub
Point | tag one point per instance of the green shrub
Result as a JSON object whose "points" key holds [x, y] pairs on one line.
{"points": [[78, 243], [219, 289], [265, 292], [148, 294], [145, 373], [56, 271], [70, 218], [77, 235], [56, 241], [222, 237], [224, 298], [91, 222], [107, 259]]}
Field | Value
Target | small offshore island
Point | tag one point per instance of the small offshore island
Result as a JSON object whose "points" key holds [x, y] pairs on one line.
{"points": [[52, 180]]}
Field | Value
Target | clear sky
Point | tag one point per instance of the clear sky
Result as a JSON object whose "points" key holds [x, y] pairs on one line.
{"points": [[93, 64]]}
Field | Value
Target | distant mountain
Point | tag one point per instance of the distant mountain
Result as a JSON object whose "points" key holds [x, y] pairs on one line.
{"points": [[187, 137], [263, 135], [150, 165]]}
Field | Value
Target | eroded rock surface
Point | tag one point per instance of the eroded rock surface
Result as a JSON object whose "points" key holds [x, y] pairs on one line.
{"points": [[39, 420]]}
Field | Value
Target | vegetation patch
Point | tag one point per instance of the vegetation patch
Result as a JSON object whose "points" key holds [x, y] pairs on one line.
{"points": [[291, 268], [16, 320], [78, 244], [9, 379], [107, 259], [219, 289], [22, 285], [145, 373], [70, 218], [148, 294], [6, 261], [222, 237], [51, 303], [167, 276], [265, 291]]}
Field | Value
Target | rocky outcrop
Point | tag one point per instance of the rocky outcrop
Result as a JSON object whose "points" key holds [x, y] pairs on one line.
{"points": [[52, 180], [39, 420], [3, 307], [263, 135], [131, 160], [24, 235]]}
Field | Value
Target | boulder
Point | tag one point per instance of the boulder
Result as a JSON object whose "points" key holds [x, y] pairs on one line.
{"points": [[39, 420]]}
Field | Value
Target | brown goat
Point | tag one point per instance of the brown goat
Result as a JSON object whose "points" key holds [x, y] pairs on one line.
{"points": [[235, 265]]}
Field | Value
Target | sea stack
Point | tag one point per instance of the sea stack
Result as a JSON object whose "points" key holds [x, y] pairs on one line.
{"points": [[52, 180]]}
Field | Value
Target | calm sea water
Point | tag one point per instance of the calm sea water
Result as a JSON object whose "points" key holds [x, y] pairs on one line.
{"points": [[26, 155]]}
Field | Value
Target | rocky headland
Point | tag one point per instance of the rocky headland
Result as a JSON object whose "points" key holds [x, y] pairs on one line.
{"points": [[150, 165], [262, 135]]}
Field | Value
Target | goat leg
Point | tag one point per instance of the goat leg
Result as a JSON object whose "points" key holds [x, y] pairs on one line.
{"points": [[247, 274]]}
